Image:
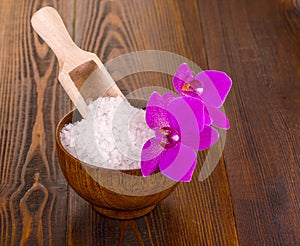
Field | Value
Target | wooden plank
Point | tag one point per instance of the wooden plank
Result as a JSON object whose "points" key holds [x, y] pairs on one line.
{"points": [[33, 192], [258, 44], [197, 213]]}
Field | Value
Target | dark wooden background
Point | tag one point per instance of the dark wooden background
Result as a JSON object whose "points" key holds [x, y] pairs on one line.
{"points": [[252, 197]]}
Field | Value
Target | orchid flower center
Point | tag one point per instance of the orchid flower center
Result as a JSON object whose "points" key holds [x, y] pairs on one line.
{"points": [[187, 87], [167, 137], [193, 87]]}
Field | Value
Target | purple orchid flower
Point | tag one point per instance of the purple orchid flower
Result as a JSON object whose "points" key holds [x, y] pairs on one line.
{"points": [[210, 86], [180, 130]]}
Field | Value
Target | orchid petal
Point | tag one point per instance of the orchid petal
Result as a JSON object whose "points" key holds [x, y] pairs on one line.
{"points": [[168, 97], [182, 76], [216, 86], [156, 100], [219, 119], [189, 113], [178, 163], [207, 117], [157, 117], [150, 157], [208, 137]]}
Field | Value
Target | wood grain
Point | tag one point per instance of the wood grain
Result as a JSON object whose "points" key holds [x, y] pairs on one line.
{"points": [[261, 53], [291, 13], [251, 198], [196, 213], [33, 192]]}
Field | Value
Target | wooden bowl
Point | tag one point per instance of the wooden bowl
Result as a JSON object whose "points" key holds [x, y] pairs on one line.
{"points": [[122, 194]]}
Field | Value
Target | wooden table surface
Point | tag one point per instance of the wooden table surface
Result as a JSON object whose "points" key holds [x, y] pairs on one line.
{"points": [[251, 198]]}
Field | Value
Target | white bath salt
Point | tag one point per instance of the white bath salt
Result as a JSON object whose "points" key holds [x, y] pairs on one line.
{"points": [[112, 136]]}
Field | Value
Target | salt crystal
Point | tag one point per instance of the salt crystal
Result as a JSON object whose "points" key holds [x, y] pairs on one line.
{"points": [[112, 136]]}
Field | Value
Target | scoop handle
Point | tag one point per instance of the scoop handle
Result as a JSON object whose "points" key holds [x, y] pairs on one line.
{"points": [[50, 27]]}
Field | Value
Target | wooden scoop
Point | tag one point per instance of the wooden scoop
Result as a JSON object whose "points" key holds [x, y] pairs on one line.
{"points": [[78, 69]]}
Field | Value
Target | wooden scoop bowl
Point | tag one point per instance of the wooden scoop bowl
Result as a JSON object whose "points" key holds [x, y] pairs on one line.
{"points": [[79, 70], [122, 194]]}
